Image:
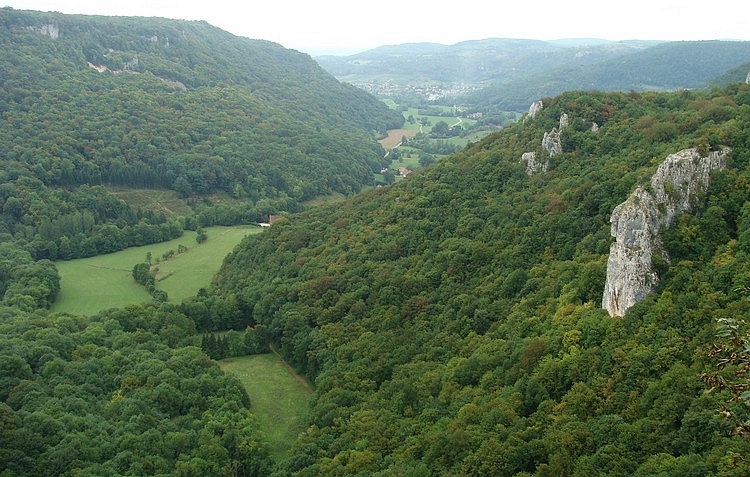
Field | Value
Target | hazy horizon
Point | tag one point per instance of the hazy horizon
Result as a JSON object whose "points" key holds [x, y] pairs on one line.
{"points": [[340, 28]]}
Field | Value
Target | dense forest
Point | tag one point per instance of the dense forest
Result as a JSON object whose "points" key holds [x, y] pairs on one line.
{"points": [[240, 129], [90, 103], [452, 323]]}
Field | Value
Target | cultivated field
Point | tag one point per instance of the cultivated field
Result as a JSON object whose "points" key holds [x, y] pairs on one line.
{"points": [[89, 285], [278, 397], [395, 136]]}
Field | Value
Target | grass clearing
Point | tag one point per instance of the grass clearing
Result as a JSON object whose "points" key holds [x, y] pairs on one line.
{"points": [[89, 285], [277, 397], [408, 157], [158, 200], [184, 274]]}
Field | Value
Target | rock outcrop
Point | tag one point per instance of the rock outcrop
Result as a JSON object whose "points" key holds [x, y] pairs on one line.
{"points": [[551, 143], [532, 165], [51, 30], [637, 223], [534, 110], [564, 121]]}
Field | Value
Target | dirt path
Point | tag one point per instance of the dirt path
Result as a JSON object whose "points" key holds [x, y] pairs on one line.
{"points": [[291, 370]]}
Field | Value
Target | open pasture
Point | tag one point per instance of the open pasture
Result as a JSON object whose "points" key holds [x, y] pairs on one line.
{"points": [[278, 397], [89, 285]]}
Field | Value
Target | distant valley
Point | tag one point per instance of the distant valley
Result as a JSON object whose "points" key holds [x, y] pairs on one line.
{"points": [[508, 74]]}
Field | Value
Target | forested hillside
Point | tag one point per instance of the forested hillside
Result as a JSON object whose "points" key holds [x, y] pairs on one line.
{"points": [[663, 67], [239, 129], [92, 102], [452, 322]]}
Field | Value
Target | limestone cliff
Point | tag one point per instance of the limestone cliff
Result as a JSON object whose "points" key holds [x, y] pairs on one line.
{"points": [[552, 140], [637, 223], [534, 109], [49, 29], [532, 165], [551, 143]]}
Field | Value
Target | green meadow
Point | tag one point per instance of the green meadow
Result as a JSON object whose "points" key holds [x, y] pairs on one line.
{"points": [[89, 285], [278, 397]]}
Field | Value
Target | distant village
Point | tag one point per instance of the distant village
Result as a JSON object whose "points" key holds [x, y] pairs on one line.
{"points": [[428, 92]]}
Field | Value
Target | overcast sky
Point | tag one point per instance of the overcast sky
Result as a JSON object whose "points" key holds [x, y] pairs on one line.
{"points": [[347, 26]]}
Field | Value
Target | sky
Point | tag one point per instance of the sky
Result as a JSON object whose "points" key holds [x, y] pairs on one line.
{"points": [[343, 27]]}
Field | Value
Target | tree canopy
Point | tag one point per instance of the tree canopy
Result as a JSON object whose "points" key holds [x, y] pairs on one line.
{"points": [[156, 103], [452, 324]]}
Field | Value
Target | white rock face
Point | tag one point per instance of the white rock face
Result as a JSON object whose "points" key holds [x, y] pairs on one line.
{"points": [[747, 80], [552, 142], [564, 121], [532, 165], [534, 110], [637, 223], [49, 29], [630, 273], [681, 177]]}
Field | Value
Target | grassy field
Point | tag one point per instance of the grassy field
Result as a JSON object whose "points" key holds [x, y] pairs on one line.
{"points": [[278, 397], [89, 285]]}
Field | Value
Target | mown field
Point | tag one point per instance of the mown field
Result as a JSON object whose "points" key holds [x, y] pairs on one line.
{"points": [[278, 397], [89, 285]]}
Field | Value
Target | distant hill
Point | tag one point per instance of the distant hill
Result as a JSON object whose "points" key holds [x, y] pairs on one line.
{"points": [[150, 102], [663, 67], [738, 74], [497, 74], [472, 62]]}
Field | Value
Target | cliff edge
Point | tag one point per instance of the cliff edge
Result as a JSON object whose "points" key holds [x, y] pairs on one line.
{"points": [[636, 224]]}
